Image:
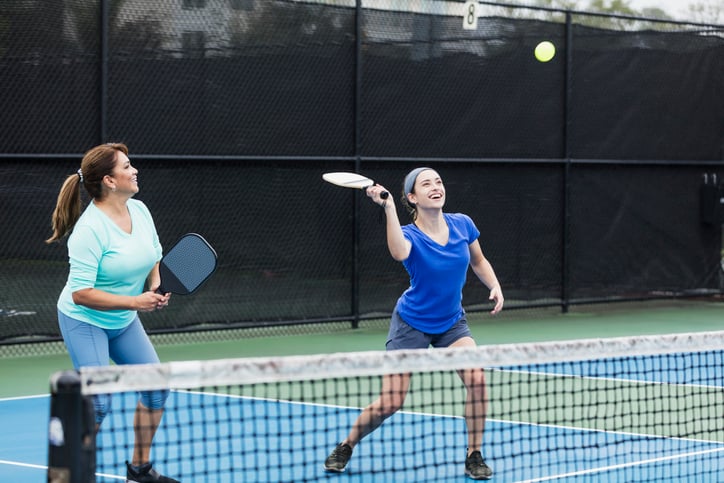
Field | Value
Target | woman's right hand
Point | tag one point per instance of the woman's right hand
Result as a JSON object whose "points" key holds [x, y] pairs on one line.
{"points": [[375, 192]]}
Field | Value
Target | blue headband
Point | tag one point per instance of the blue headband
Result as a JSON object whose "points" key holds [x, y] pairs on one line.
{"points": [[410, 179]]}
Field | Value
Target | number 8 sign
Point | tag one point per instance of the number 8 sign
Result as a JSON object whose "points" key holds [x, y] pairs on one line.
{"points": [[470, 15]]}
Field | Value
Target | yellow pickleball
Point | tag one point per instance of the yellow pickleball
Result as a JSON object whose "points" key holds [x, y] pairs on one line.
{"points": [[545, 51]]}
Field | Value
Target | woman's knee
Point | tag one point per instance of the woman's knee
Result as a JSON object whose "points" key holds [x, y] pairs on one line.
{"points": [[474, 379], [154, 399], [389, 404]]}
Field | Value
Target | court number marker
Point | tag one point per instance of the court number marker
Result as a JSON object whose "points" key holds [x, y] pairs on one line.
{"points": [[470, 16]]}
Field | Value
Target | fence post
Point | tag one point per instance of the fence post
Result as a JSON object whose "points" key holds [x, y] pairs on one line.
{"points": [[103, 84], [567, 124], [355, 309]]}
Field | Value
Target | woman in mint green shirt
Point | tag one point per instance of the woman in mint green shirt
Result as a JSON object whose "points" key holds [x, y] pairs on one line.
{"points": [[114, 252]]}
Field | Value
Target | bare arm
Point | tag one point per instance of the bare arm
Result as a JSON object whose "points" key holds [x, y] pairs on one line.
{"points": [[145, 302], [153, 281], [398, 245], [484, 271]]}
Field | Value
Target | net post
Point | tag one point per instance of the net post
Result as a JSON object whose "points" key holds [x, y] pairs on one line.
{"points": [[71, 431]]}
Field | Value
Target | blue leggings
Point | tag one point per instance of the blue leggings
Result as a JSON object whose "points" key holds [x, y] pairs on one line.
{"points": [[89, 345]]}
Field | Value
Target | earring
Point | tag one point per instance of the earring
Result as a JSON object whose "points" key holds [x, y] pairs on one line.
{"points": [[113, 189]]}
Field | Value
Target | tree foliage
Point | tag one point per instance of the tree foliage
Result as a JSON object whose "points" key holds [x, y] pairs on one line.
{"points": [[701, 11]]}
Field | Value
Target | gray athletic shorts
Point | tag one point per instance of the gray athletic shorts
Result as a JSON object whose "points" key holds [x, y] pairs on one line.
{"points": [[402, 336]]}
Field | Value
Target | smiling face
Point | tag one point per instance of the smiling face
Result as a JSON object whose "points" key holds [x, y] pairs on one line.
{"points": [[429, 191], [124, 177]]}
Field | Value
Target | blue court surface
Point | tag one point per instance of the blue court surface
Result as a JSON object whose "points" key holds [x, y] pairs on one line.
{"points": [[23, 445], [219, 438]]}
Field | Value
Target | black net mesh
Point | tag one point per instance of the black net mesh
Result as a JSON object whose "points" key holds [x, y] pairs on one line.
{"points": [[582, 173], [273, 80], [634, 409], [414, 107], [638, 95]]}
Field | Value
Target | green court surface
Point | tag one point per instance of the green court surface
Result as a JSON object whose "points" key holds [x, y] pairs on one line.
{"points": [[24, 375]]}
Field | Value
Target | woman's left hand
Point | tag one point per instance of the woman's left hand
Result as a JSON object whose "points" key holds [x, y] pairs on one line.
{"points": [[163, 301], [496, 295]]}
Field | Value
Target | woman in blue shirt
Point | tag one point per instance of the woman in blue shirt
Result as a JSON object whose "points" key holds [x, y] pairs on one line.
{"points": [[114, 254], [436, 250]]}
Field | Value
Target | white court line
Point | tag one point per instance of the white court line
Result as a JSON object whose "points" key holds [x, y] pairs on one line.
{"points": [[623, 465], [112, 477], [607, 378], [41, 467], [535, 480], [24, 465], [20, 398]]}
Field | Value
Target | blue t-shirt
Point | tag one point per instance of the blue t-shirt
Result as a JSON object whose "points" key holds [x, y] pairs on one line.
{"points": [[105, 257], [433, 302]]}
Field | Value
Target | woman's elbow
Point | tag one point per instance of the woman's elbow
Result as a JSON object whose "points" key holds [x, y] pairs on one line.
{"points": [[79, 297], [399, 255]]}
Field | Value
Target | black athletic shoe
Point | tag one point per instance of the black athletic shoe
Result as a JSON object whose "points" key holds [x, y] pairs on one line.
{"points": [[339, 458], [145, 474], [476, 468]]}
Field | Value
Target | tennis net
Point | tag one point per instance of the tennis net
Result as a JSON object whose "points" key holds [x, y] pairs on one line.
{"points": [[620, 409]]}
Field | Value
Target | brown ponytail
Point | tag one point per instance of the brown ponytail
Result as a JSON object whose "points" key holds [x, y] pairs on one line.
{"points": [[67, 208], [97, 163]]}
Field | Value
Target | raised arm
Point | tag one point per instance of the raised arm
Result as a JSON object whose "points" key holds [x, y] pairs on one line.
{"points": [[398, 245]]}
